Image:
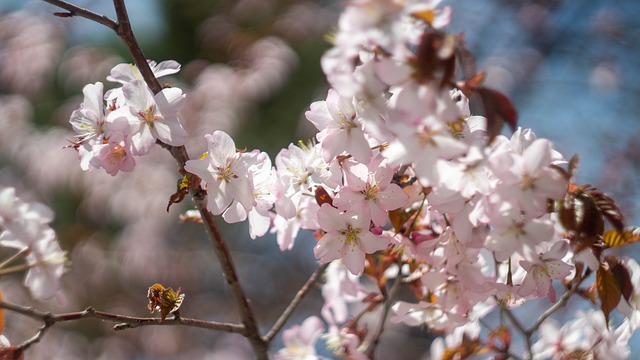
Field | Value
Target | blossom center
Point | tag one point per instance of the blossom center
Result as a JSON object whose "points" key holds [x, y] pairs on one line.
{"points": [[350, 236], [370, 191], [149, 115], [226, 173]]}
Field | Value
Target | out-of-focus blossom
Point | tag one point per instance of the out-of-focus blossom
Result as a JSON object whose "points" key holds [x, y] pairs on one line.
{"points": [[300, 340], [24, 226], [31, 46]]}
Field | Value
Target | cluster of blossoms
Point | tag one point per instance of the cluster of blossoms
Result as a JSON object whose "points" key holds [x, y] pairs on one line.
{"points": [[25, 226], [114, 127], [402, 182]]}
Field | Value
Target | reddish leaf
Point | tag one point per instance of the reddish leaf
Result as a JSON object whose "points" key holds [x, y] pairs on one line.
{"points": [[472, 84], [608, 208], [399, 217], [436, 58], [498, 110], [579, 213], [322, 196], [11, 353], [608, 290], [621, 273]]}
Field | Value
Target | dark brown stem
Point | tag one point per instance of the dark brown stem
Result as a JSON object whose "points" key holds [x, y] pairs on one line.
{"points": [[388, 299], [74, 10], [260, 346], [123, 321], [301, 294]]}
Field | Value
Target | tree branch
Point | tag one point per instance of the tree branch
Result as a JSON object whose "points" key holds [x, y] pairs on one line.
{"points": [[260, 346], [124, 31], [389, 296], [301, 294], [123, 321], [75, 10]]}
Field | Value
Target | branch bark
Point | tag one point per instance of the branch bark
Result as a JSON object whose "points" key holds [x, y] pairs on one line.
{"points": [[300, 295], [123, 321]]}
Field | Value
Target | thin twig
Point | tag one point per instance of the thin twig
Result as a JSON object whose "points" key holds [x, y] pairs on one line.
{"points": [[123, 321], [518, 325], [562, 302], [286, 314], [75, 10], [260, 346], [389, 296]]}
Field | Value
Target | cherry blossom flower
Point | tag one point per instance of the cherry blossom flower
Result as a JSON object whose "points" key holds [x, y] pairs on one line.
{"points": [[340, 289], [25, 227], [547, 267], [347, 237], [555, 342], [226, 173], [340, 128], [88, 121], [368, 190], [511, 233], [151, 117], [527, 180], [300, 340], [124, 73], [114, 156]]}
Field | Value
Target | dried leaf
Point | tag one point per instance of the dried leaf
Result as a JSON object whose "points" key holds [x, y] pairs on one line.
{"points": [[608, 208], [11, 353], [622, 275], [608, 290], [436, 57], [322, 196], [189, 181], [164, 300], [472, 84], [498, 110], [399, 217], [426, 15]]}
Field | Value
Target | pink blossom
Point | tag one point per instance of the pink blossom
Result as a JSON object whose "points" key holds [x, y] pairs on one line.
{"points": [[225, 172], [369, 191], [151, 117], [546, 267], [114, 156], [300, 340], [347, 237], [527, 181], [340, 128], [511, 233], [24, 226]]}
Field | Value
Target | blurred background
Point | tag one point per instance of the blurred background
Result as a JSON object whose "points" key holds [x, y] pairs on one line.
{"points": [[251, 68]]}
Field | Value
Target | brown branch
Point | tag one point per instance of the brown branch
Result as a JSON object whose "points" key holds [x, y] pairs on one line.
{"points": [[75, 10], [260, 346], [300, 295], [562, 302], [124, 31], [123, 321], [389, 296]]}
